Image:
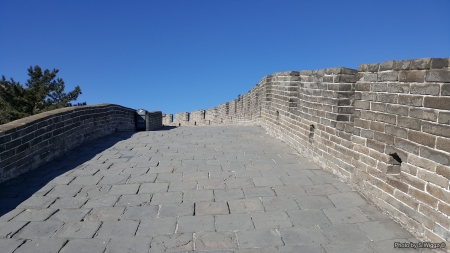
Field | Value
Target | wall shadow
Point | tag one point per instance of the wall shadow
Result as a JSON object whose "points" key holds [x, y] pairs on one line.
{"points": [[38, 182]]}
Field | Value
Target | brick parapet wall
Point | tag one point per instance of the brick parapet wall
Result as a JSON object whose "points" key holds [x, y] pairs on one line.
{"points": [[153, 120], [354, 123], [28, 143]]}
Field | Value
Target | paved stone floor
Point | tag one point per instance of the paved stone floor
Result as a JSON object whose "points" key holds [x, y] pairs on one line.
{"points": [[202, 189]]}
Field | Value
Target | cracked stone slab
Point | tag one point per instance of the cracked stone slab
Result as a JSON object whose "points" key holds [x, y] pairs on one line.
{"points": [[153, 187], [157, 226], [345, 215], [69, 202], [279, 203], [102, 201], [129, 244], [85, 246], [172, 243], [302, 235], [34, 215], [52, 245], [173, 210], [259, 238], [215, 241], [104, 214], [234, 222], [196, 223], [228, 194], [111, 229], [140, 212], [78, 229], [274, 219], [7, 229], [211, 208], [167, 198], [39, 229], [9, 245], [67, 215], [134, 200], [308, 217], [245, 205]]}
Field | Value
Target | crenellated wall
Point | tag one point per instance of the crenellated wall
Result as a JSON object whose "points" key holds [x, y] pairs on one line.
{"points": [[384, 129], [28, 143]]}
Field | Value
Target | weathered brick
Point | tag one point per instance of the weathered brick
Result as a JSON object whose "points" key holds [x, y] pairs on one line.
{"points": [[444, 208], [413, 181], [397, 109], [405, 198], [422, 138], [413, 100], [396, 183], [387, 76], [434, 155], [365, 105], [362, 86], [387, 65], [398, 87], [438, 76], [373, 67], [377, 126], [425, 88], [378, 87], [384, 138], [367, 133], [370, 77], [443, 171], [437, 102], [422, 113], [434, 215], [406, 145], [410, 123], [384, 117], [423, 197], [370, 96], [439, 63], [443, 144], [444, 117], [421, 162], [436, 129], [423, 63], [445, 90], [361, 149], [417, 76], [396, 131], [381, 107], [402, 65], [387, 98], [432, 178], [378, 146]]}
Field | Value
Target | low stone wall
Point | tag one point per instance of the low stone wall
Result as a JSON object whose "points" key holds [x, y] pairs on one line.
{"points": [[28, 143], [384, 129]]}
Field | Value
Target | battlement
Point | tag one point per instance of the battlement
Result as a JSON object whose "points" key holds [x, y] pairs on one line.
{"points": [[383, 128]]}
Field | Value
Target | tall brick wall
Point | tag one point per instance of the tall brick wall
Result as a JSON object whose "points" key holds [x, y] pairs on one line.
{"points": [[153, 120], [383, 128], [28, 143]]}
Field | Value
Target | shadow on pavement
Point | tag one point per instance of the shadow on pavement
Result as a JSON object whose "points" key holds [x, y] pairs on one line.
{"points": [[17, 190]]}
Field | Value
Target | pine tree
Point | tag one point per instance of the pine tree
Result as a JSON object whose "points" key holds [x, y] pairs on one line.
{"points": [[43, 92]]}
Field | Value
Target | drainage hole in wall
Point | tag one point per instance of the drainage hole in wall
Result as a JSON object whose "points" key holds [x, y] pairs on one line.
{"points": [[395, 159]]}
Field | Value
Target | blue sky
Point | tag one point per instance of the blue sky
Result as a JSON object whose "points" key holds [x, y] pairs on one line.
{"points": [[178, 56]]}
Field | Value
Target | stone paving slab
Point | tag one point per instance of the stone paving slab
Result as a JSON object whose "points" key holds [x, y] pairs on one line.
{"points": [[230, 189]]}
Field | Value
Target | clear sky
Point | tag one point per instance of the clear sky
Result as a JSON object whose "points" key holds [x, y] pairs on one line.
{"points": [[178, 56]]}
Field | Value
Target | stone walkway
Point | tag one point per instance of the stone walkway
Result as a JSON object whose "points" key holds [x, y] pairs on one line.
{"points": [[202, 189]]}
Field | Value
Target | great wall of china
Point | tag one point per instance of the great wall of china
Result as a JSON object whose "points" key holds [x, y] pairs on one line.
{"points": [[383, 128]]}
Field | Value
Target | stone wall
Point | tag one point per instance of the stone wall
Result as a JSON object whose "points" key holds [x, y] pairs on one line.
{"points": [[384, 129], [153, 120], [28, 143]]}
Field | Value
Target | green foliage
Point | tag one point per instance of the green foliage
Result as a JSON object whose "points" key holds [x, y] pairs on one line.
{"points": [[43, 92]]}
